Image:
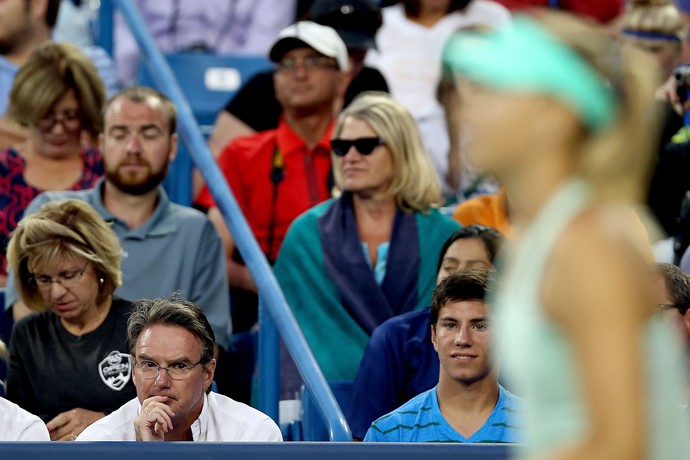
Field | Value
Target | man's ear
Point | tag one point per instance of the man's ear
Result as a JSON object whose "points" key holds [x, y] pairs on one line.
{"points": [[686, 322], [210, 372], [433, 336], [38, 10], [344, 81], [174, 140], [134, 375], [101, 146]]}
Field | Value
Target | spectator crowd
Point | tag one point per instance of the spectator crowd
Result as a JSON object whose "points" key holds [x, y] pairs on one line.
{"points": [[477, 212]]}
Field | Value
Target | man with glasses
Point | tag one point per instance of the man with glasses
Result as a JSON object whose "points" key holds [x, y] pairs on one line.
{"points": [[278, 174], [171, 343]]}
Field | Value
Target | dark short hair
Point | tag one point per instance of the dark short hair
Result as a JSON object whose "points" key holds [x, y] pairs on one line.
{"points": [[171, 311], [464, 285], [492, 239], [140, 94], [677, 285]]}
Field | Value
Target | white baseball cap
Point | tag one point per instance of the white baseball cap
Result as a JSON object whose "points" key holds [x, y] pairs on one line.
{"points": [[323, 39]]}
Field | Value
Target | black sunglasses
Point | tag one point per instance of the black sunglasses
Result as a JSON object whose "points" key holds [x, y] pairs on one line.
{"points": [[364, 145]]}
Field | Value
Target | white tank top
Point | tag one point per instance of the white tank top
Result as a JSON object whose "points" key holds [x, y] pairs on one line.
{"points": [[538, 361]]}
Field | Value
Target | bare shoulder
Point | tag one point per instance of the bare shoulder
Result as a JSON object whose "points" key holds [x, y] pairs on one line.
{"points": [[599, 267]]}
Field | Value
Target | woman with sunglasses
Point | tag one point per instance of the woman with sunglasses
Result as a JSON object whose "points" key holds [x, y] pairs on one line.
{"points": [[569, 132], [57, 96], [69, 363], [353, 262]]}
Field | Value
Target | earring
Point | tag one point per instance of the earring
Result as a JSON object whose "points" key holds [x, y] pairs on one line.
{"points": [[101, 281]]}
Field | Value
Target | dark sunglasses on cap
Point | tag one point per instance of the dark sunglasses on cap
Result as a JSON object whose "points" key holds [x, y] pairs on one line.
{"points": [[364, 145]]}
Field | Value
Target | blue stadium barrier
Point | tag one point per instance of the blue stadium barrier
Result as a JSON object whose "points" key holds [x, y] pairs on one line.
{"points": [[276, 316], [246, 451]]}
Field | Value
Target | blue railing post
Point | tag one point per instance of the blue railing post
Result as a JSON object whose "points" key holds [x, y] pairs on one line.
{"points": [[269, 363], [106, 28]]}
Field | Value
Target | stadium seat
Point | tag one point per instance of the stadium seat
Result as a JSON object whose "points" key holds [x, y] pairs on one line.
{"points": [[209, 80]]}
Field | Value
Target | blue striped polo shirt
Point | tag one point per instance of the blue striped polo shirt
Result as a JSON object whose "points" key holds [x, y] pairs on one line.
{"points": [[420, 420]]}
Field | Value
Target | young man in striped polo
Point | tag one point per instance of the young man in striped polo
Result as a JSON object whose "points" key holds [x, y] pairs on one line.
{"points": [[468, 404]]}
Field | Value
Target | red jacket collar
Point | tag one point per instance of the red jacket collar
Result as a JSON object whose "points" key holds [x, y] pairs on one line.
{"points": [[288, 141]]}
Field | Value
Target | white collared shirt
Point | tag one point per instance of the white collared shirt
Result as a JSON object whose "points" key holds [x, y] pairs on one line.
{"points": [[16, 424], [221, 420]]}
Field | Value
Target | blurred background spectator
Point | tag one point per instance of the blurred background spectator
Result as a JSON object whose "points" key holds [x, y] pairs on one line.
{"points": [[57, 97], [603, 11], [216, 26], [24, 26], [75, 21], [409, 49], [656, 26], [69, 363], [356, 21]]}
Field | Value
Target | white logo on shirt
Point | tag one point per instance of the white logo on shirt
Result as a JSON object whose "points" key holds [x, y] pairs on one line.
{"points": [[115, 370]]}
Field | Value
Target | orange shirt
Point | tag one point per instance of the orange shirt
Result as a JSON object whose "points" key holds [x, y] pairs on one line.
{"points": [[489, 210]]}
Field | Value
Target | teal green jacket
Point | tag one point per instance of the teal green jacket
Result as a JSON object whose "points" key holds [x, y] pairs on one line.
{"points": [[336, 340]]}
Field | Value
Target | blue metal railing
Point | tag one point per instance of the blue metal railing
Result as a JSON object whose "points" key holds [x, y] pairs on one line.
{"points": [[274, 311], [250, 451]]}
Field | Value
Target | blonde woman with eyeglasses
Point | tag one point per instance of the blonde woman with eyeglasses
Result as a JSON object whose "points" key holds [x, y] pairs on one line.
{"points": [[69, 362], [57, 98]]}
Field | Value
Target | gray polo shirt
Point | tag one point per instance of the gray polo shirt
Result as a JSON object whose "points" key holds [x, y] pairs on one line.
{"points": [[176, 250]]}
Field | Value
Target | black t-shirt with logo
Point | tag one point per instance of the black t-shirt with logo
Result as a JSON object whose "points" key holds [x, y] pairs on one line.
{"points": [[52, 371]]}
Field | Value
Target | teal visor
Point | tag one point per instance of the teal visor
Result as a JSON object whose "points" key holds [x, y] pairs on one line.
{"points": [[524, 57]]}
